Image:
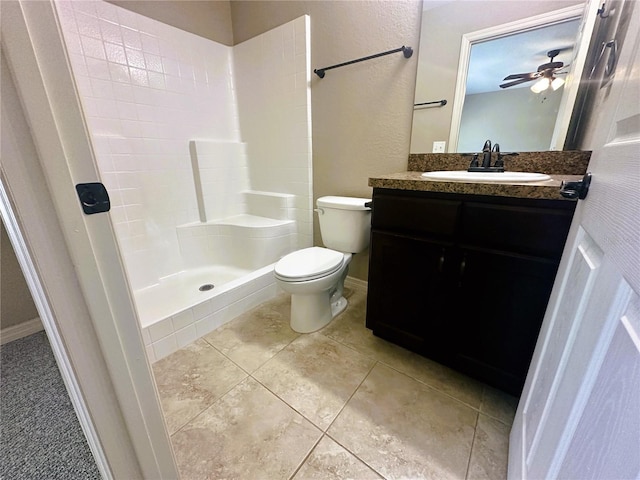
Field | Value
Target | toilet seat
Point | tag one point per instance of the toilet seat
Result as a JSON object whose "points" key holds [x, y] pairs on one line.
{"points": [[308, 264]]}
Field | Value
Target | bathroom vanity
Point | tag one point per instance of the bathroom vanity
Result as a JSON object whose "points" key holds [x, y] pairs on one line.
{"points": [[462, 272]]}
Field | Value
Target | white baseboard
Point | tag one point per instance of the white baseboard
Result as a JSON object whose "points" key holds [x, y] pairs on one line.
{"points": [[21, 330], [356, 283]]}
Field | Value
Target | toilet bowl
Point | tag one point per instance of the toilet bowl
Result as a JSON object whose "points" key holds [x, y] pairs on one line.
{"points": [[315, 276]]}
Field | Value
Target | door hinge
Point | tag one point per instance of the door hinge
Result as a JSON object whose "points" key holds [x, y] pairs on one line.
{"points": [[576, 190]]}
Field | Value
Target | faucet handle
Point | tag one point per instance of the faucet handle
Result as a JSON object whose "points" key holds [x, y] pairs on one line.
{"points": [[474, 159], [500, 159]]}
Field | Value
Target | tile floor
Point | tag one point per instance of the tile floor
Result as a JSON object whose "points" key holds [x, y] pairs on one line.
{"points": [[255, 400]]}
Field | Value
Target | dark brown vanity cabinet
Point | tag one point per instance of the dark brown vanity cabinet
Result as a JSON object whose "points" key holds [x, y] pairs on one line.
{"points": [[465, 279]]}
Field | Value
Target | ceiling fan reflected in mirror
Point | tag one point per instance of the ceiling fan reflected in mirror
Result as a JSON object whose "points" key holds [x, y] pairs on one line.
{"points": [[545, 75]]}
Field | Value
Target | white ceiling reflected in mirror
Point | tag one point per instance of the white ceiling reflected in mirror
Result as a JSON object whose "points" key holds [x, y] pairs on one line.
{"points": [[514, 88]]}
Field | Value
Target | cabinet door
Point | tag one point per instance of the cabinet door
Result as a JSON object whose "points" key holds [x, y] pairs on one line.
{"points": [[406, 289], [502, 299]]}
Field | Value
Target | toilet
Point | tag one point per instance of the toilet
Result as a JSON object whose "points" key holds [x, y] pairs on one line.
{"points": [[315, 276]]}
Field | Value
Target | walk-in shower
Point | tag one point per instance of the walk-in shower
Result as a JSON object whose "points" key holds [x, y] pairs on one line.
{"points": [[205, 151]]}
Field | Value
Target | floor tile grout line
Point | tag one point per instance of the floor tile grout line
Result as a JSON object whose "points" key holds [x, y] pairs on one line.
{"points": [[225, 356], [473, 441], [347, 345], [287, 404], [304, 460], [356, 456], [219, 397], [209, 406], [499, 420], [250, 374], [240, 366], [352, 394], [486, 414], [322, 432], [476, 409], [363, 290], [325, 432], [342, 409]]}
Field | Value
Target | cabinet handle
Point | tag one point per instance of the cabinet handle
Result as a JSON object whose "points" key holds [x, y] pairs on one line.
{"points": [[441, 262], [463, 265]]}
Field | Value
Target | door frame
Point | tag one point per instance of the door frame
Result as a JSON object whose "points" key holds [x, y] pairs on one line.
{"points": [[36, 55], [45, 313]]}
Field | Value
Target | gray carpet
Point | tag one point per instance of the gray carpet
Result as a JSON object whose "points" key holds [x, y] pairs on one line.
{"points": [[40, 437]]}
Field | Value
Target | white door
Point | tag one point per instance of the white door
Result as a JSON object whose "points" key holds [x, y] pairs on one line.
{"points": [[579, 414]]}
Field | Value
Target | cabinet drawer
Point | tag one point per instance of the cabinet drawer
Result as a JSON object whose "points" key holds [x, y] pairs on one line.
{"points": [[414, 214], [529, 230]]}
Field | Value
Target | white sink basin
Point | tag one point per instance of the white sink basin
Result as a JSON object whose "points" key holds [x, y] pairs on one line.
{"points": [[492, 177]]}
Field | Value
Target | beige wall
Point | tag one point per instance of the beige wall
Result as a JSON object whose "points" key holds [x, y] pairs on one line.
{"points": [[208, 19], [16, 304], [515, 117], [442, 30], [361, 113]]}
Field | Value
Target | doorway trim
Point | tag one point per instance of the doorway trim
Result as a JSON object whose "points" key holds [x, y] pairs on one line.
{"points": [[53, 334], [125, 405]]}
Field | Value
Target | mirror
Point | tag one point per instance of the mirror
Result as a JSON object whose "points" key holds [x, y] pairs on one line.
{"points": [[476, 53], [523, 120]]}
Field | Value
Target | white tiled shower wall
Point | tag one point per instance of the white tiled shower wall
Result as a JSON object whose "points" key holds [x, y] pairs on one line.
{"points": [[272, 76], [221, 175], [148, 89]]}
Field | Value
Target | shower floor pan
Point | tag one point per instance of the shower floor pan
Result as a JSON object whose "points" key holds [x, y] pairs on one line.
{"points": [[177, 311]]}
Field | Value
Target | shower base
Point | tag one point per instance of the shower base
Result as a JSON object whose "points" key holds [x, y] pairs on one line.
{"points": [[177, 311]]}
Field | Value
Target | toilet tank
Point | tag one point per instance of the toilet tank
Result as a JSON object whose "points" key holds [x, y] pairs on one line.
{"points": [[345, 223]]}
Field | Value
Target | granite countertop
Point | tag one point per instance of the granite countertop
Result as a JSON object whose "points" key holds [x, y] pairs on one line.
{"points": [[560, 166], [549, 189]]}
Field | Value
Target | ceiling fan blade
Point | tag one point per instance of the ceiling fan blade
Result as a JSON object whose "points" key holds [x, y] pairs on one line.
{"points": [[514, 76], [550, 65], [559, 50], [516, 82]]}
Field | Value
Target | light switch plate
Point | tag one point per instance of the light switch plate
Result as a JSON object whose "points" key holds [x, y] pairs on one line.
{"points": [[438, 147]]}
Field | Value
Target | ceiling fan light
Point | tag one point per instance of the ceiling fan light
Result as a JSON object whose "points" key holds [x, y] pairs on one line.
{"points": [[557, 83], [541, 85]]}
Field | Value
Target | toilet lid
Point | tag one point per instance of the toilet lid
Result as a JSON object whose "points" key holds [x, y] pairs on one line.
{"points": [[308, 263]]}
